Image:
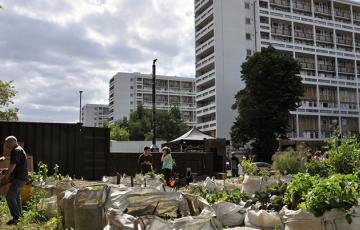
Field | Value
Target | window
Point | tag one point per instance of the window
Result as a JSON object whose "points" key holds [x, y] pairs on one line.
{"points": [[131, 87], [131, 95], [131, 79], [248, 36], [247, 5], [131, 102], [247, 20], [248, 53]]}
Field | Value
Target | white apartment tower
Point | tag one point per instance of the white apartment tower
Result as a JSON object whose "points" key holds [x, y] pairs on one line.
{"points": [[323, 35], [127, 90], [93, 115]]}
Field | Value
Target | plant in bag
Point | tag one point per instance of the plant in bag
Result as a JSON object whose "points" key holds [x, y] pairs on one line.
{"points": [[248, 167], [289, 162], [319, 168], [343, 156], [56, 175], [298, 188], [338, 191]]}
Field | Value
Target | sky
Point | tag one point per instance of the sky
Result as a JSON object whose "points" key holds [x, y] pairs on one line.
{"points": [[53, 49]]}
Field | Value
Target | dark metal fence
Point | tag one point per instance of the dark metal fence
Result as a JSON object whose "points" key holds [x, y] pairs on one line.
{"points": [[79, 151]]}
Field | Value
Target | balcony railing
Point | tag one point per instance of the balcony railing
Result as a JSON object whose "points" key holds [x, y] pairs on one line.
{"points": [[325, 38], [280, 2], [301, 6], [323, 10], [346, 69], [326, 67], [307, 65], [301, 34], [344, 41], [342, 13], [357, 43], [281, 31], [356, 15]]}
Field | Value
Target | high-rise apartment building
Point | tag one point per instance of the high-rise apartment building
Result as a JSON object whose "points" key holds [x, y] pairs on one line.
{"points": [[127, 90], [93, 115], [323, 35]]}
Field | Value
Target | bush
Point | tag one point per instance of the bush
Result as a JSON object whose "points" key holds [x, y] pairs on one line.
{"points": [[289, 162], [234, 196], [248, 168], [319, 168], [339, 191], [343, 155], [298, 188]]}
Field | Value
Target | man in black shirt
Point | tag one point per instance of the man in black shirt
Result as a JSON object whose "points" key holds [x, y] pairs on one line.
{"points": [[145, 160], [17, 175]]}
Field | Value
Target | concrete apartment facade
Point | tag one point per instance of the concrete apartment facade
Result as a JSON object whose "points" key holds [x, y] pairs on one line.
{"points": [[323, 35], [93, 115], [127, 90]]}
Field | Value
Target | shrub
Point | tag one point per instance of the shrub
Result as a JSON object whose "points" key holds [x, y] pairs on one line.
{"points": [[298, 188], [319, 168], [233, 196], [248, 167], [343, 155], [289, 162], [339, 191]]}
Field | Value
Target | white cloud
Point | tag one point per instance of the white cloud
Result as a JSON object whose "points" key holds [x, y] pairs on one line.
{"points": [[52, 49]]}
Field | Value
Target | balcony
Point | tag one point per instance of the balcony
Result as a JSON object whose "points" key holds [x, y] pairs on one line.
{"points": [[307, 65], [208, 109], [323, 10], [325, 38], [282, 3], [301, 6], [356, 16], [202, 95], [206, 45], [205, 78], [205, 61], [204, 31], [324, 67], [343, 69], [202, 4], [342, 13], [301, 34], [207, 126], [282, 32], [203, 16], [357, 43], [344, 41]]}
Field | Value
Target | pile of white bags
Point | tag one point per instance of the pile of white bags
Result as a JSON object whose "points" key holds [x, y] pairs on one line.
{"points": [[252, 184], [49, 207], [229, 214]]}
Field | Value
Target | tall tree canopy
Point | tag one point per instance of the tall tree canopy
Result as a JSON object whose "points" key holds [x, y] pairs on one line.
{"points": [[7, 92], [139, 125], [273, 88]]}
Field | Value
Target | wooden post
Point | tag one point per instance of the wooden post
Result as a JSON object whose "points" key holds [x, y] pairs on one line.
{"points": [[118, 178], [132, 181]]}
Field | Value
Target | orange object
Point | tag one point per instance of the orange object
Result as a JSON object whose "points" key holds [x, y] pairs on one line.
{"points": [[26, 193]]}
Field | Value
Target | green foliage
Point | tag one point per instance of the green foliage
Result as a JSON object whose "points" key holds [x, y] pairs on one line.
{"points": [[234, 196], [271, 198], [43, 173], [319, 168], [7, 92], [339, 191], [139, 126], [298, 188], [273, 88], [248, 167], [32, 214], [343, 154], [289, 162]]}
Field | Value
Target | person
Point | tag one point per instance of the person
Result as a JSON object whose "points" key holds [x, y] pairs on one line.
{"points": [[167, 166], [234, 166], [145, 160], [17, 175], [240, 167]]}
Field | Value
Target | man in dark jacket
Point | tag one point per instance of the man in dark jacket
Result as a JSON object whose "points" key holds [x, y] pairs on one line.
{"points": [[145, 160], [17, 175]]}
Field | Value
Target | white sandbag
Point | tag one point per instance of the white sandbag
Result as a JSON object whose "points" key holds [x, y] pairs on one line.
{"points": [[194, 223], [229, 214], [148, 201], [89, 212], [120, 221], [252, 184], [300, 220], [236, 228], [263, 219], [49, 207], [151, 223], [67, 202], [211, 185], [335, 219], [198, 205]]}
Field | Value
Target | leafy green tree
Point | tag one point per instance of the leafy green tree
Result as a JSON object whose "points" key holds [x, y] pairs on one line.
{"points": [[273, 89], [7, 92], [119, 134]]}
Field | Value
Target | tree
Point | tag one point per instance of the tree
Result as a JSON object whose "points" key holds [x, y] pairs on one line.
{"points": [[118, 134], [7, 92], [273, 89]]}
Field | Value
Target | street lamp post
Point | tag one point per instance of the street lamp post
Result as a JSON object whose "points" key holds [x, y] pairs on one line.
{"points": [[80, 92], [154, 148]]}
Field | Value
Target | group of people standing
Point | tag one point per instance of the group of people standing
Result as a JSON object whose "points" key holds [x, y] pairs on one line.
{"points": [[146, 162]]}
